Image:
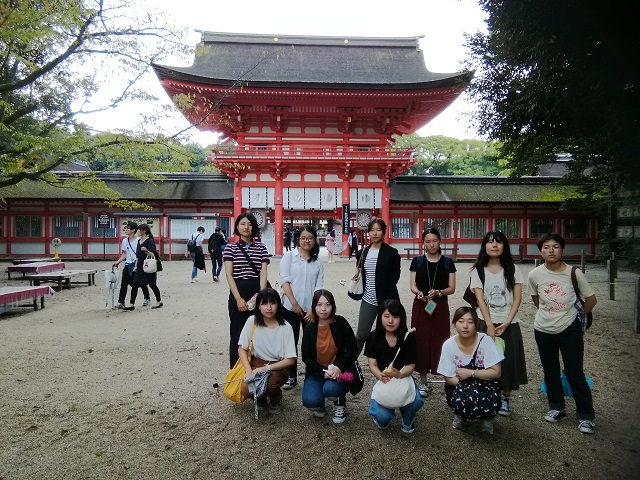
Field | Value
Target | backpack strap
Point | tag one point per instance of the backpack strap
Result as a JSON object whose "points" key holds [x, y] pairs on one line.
{"points": [[574, 282]]}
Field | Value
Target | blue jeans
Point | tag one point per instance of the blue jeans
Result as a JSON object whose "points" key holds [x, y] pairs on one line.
{"points": [[316, 389], [384, 415], [194, 269]]}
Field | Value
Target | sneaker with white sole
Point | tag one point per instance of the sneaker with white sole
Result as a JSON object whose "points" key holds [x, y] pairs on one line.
{"points": [[339, 414], [289, 384], [378, 426], [408, 429], [486, 426], [458, 422], [424, 390], [586, 426], [318, 412], [505, 411], [147, 302], [554, 416], [275, 407], [119, 306]]}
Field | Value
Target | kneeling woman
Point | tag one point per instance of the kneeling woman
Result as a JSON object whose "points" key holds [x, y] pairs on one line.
{"points": [[328, 341], [469, 354], [273, 349], [381, 348]]}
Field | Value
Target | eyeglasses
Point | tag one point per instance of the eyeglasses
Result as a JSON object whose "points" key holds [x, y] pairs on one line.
{"points": [[306, 239]]}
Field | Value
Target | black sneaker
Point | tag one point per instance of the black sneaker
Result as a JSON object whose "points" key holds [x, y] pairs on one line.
{"points": [[554, 416], [289, 384]]}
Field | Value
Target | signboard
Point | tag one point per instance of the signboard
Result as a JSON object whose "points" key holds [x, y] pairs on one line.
{"points": [[104, 220], [346, 214]]}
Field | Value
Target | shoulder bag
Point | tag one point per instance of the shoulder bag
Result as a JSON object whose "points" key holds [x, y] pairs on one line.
{"points": [[475, 398], [397, 392], [233, 378], [586, 319], [469, 295], [356, 286]]}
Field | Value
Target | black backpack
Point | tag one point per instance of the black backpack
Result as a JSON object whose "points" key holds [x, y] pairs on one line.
{"points": [[191, 244], [212, 245]]}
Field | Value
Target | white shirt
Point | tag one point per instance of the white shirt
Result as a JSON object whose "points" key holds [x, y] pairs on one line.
{"points": [[269, 344], [452, 357], [305, 278], [496, 296], [129, 247]]}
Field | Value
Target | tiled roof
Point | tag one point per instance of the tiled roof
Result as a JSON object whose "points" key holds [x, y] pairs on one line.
{"points": [[320, 62]]}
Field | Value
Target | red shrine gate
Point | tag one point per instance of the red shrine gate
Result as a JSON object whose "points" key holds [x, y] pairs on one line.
{"points": [[312, 119]]}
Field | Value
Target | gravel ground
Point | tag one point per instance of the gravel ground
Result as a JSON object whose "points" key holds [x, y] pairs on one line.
{"points": [[91, 393]]}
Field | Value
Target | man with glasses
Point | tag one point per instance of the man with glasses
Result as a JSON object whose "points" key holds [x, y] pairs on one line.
{"points": [[559, 330]]}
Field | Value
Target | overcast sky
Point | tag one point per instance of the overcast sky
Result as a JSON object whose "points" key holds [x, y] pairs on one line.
{"points": [[442, 23]]}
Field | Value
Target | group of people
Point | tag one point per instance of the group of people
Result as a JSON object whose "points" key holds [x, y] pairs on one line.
{"points": [[487, 345], [216, 244], [137, 245]]}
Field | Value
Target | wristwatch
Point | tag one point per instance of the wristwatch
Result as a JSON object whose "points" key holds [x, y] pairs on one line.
{"points": [[439, 293]]}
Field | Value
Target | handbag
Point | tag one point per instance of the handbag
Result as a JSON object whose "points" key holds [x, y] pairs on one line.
{"points": [[150, 265], [355, 290], [397, 392], [233, 378], [586, 319], [469, 295], [475, 398]]}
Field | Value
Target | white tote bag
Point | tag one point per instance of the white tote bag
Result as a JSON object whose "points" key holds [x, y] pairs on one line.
{"points": [[150, 265]]}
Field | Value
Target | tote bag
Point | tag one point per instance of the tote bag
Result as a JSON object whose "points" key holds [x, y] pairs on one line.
{"points": [[233, 378], [150, 265], [397, 392], [355, 290]]}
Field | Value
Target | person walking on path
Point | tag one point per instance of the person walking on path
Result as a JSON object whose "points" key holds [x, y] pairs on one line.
{"points": [[245, 266], [499, 294], [194, 250], [380, 274], [353, 244], [146, 247], [287, 239], [330, 243], [559, 330], [301, 274], [432, 279], [215, 246], [128, 247]]}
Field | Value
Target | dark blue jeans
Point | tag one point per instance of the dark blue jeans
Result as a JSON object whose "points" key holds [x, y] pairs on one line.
{"points": [[316, 389], [570, 344]]}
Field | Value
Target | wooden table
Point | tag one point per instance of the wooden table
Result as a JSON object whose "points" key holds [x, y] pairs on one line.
{"points": [[63, 278], [35, 267], [12, 297]]}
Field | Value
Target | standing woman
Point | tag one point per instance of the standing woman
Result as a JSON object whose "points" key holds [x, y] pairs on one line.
{"points": [[380, 275], [328, 341], [245, 266], [432, 279], [146, 247], [499, 297], [330, 243], [301, 274], [353, 244]]}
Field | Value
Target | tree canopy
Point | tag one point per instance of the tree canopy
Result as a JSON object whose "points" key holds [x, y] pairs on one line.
{"points": [[440, 155], [559, 76], [56, 57]]}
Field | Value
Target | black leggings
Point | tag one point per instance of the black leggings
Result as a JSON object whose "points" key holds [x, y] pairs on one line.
{"points": [[134, 292]]}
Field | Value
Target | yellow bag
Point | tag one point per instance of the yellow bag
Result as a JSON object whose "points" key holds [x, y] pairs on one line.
{"points": [[233, 378]]}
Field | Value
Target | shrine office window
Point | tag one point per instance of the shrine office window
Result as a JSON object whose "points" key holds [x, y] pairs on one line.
{"points": [[473, 227], [511, 227], [28, 226], [442, 224], [575, 228], [108, 232], [66, 226], [401, 228], [540, 226]]}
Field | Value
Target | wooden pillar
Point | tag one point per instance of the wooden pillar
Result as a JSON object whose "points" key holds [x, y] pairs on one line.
{"points": [[278, 215]]}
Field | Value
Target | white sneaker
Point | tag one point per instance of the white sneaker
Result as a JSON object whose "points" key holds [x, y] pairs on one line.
{"points": [[587, 426], [318, 412], [147, 302], [339, 414]]}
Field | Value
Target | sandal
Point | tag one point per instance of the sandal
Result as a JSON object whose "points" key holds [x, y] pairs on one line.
{"points": [[158, 305]]}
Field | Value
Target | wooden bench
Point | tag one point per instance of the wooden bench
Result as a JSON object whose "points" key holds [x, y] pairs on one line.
{"points": [[453, 251], [20, 261], [35, 267], [63, 278], [12, 297]]}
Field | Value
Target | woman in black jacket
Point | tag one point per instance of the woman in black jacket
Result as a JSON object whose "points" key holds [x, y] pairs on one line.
{"points": [[329, 353], [380, 270]]}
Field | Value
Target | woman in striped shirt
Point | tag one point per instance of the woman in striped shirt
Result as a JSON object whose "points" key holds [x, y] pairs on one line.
{"points": [[245, 266]]}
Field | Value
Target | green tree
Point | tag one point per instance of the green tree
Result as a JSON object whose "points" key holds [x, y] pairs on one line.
{"points": [[558, 76], [440, 155], [56, 56]]}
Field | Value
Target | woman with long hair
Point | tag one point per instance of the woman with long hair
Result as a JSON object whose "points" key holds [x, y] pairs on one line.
{"points": [[497, 283], [380, 270], [381, 348], [432, 278], [245, 266], [272, 348], [329, 349], [301, 274], [463, 349], [146, 247]]}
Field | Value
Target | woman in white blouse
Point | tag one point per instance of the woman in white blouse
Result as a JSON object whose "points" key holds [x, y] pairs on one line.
{"points": [[301, 275]]}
